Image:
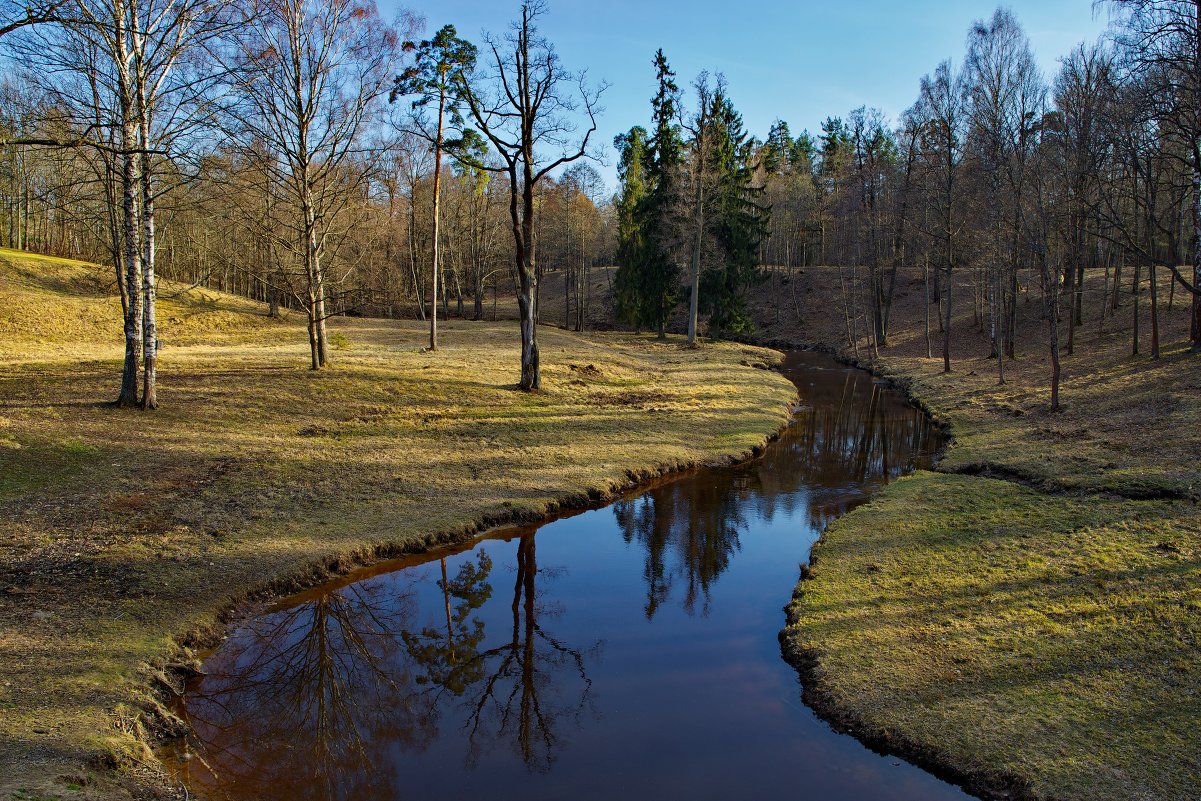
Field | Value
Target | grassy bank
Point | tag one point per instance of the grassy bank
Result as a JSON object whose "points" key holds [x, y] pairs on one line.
{"points": [[1037, 636], [121, 532]]}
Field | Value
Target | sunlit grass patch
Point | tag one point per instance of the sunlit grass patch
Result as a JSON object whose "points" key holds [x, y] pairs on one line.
{"points": [[1047, 637]]}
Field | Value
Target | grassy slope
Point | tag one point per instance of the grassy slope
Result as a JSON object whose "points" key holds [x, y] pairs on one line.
{"points": [[1044, 636], [120, 531]]}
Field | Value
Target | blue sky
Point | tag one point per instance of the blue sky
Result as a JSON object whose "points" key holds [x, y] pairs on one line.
{"points": [[798, 60]]}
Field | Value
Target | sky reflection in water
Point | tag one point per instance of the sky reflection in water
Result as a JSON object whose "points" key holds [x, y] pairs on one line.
{"points": [[625, 651]]}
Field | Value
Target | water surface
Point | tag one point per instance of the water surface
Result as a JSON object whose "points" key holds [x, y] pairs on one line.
{"points": [[628, 651]]}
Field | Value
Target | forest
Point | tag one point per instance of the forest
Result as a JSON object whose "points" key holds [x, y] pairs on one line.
{"points": [[367, 270], [368, 173]]}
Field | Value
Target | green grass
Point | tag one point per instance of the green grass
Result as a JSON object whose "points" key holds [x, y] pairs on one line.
{"points": [[1049, 638], [1039, 634], [122, 533]]}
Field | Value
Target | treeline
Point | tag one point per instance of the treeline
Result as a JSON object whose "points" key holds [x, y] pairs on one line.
{"points": [[313, 156], [288, 151], [690, 209], [998, 177]]}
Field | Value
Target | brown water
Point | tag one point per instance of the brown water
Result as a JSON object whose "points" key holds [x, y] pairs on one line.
{"points": [[625, 652]]}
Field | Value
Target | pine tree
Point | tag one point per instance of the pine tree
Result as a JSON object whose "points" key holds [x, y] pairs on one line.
{"points": [[434, 79]]}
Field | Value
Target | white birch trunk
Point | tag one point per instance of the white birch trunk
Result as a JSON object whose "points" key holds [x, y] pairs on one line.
{"points": [[129, 186]]}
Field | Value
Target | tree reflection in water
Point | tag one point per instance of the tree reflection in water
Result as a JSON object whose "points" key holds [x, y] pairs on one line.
{"points": [[699, 521], [850, 436], [433, 679], [308, 702], [300, 703], [526, 695], [450, 659]]}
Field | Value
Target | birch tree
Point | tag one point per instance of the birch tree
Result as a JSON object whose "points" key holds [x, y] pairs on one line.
{"points": [[117, 65], [15, 14]]}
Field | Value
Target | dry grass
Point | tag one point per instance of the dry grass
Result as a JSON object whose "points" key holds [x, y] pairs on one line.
{"points": [[1130, 425], [1044, 639], [121, 531]]}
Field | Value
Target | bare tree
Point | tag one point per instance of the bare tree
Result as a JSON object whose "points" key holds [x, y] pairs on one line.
{"points": [[1005, 97], [119, 66], [942, 107], [15, 14], [523, 106], [308, 75], [1161, 40]]}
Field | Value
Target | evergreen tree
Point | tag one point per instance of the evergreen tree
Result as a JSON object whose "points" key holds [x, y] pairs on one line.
{"points": [[740, 223], [836, 149], [648, 275], [438, 65], [778, 151], [661, 268], [631, 239], [804, 152], [833, 158]]}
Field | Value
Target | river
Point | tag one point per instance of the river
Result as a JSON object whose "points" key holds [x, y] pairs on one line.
{"points": [[628, 651]]}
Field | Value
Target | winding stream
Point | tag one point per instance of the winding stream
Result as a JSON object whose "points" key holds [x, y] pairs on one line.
{"points": [[623, 652]]}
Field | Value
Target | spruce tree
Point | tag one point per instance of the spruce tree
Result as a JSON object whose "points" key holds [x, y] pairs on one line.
{"points": [[740, 223], [631, 238], [648, 273], [661, 267], [778, 150]]}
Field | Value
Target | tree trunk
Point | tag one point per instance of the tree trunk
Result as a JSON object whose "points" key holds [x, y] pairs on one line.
{"points": [[417, 293], [1012, 299], [694, 295], [434, 265], [1070, 283], [1053, 323], [1154, 315], [1137, 270], [531, 378], [997, 319], [129, 186], [318, 342], [926, 277], [149, 328], [586, 294], [1195, 317], [479, 295], [946, 329], [527, 295]]}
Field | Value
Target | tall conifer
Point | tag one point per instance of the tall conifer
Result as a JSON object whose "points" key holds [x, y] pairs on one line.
{"points": [[739, 221]]}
